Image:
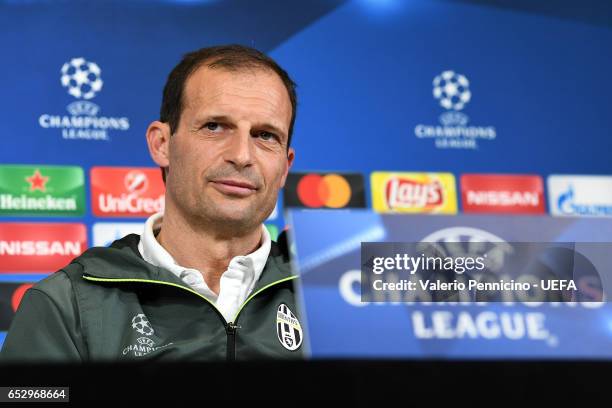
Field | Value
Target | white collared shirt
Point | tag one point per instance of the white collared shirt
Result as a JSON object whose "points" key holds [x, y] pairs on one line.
{"points": [[237, 281]]}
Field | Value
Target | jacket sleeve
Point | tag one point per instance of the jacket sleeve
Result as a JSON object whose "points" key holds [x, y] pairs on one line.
{"points": [[41, 332]]}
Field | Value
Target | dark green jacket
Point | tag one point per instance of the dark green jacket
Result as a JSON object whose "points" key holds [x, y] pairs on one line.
{"points": [[110, 304]]}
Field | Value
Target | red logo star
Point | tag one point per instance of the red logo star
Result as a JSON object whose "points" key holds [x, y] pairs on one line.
{"points": [[37, 181]]}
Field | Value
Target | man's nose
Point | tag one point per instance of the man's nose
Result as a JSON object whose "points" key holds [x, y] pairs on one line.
{"points": [[240, 149]]}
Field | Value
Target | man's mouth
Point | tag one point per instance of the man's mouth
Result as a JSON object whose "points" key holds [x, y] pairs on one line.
{"points": [[234, 187]]}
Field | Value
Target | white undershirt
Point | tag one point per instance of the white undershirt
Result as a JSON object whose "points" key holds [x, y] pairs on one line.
{"points": [[237, 281]]}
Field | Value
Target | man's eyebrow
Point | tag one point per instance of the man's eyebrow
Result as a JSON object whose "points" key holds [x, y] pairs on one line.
{"points": [[214, 118], [225, 119]]}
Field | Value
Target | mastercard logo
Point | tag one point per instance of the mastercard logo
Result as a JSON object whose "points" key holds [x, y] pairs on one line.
{"points": [[327, 190], [331, 191]]}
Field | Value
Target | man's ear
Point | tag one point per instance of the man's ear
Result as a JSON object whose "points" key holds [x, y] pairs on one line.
{"points": [[290, 158], [158, 140]]}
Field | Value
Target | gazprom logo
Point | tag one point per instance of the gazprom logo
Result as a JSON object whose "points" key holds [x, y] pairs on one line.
{"points": [[580, 196]]}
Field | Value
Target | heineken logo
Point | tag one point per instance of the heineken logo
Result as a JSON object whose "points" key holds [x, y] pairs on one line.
{"points": [[42, 190], [37, 181]]}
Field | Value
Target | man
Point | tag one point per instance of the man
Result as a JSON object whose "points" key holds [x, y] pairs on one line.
{"points": [[204, 281]]}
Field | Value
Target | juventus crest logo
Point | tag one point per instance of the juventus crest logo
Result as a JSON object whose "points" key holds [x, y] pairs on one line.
{"points": [[288, 328]]}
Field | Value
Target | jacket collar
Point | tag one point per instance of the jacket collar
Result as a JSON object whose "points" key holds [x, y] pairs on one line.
{"points": [[122, 260]]}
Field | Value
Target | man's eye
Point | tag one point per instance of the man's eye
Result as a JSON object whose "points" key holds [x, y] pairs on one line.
{"points": [[212, 126], [266, 135]]}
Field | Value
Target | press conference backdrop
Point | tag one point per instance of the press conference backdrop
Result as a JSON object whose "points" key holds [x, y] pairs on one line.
{"points": [[430, 107]]}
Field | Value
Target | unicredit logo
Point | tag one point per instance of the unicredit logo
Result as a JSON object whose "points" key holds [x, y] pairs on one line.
{"points": [[324, 190], [126, 191], [136, 182]]}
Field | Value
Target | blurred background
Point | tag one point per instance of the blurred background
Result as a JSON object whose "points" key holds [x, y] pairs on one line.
{"points": [[480, 119]]}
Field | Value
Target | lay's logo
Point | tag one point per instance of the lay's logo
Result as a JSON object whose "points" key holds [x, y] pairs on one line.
{"points": [[432, 193]]}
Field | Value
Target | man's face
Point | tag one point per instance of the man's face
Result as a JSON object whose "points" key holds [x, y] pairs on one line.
{"points": [[228, 158]]}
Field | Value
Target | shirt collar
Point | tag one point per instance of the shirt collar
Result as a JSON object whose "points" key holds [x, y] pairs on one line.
{"points": [[152, 251]]}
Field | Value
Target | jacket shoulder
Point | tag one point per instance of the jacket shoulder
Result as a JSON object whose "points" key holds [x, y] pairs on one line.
{"points": [[280, 247], [58, 284], [47, 324]]}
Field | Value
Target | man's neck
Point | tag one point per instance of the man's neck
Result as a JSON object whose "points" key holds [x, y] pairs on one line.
{"points": [[204, 249]]}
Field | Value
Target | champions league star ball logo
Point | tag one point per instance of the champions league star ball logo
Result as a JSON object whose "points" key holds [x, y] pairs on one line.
{"points": [[452, 90], [83, 81], [143, 345], [141, 324], [81, 78]]}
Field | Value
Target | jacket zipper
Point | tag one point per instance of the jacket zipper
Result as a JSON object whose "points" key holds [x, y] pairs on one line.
{"points": [[230, 327]]}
